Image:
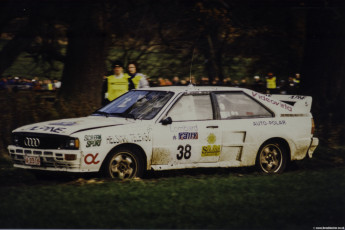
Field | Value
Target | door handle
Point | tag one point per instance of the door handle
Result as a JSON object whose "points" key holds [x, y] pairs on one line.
{"points": [[212, 127]]}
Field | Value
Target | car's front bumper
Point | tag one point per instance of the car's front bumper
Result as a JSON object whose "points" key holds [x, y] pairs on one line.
{"points": [[314, 143], [51, 160]]}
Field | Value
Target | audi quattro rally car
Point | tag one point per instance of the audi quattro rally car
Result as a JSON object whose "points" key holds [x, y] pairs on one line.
{"points": [[173, 128]]}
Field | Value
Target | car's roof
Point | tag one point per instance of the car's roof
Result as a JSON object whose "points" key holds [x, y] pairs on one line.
{"points": [[275, 102], [192, 88]]}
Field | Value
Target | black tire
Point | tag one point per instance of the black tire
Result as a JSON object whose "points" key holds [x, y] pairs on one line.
{"points": [[271, 158], [124, 163]]}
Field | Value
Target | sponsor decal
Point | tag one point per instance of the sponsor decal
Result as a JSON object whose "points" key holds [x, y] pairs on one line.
{"points": [[192, 128], [93, 140], [188, 135], [211, 139], [117, 139], [272, 101], [210, 150], [294, 115], [264, 123], [51, 129], [91, 159], [297, 97], [124, 103], [64, 123], [138, 137]]}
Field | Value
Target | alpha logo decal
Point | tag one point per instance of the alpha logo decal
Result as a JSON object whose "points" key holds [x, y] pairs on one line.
{"points": [[91, 159]]}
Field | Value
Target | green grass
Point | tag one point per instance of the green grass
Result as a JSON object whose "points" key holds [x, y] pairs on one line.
{"points": [[308, 196], [292, 200]]}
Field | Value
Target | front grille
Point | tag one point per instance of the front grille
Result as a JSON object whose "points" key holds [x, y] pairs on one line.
{"points": [[40, 141], [48, 159]]}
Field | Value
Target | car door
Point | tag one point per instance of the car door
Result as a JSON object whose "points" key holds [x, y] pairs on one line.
{"points": [[238, 114], [192, 136]]}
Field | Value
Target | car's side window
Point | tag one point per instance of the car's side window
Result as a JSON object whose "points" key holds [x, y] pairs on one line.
{"points": [[234, 105], [192, 108]]}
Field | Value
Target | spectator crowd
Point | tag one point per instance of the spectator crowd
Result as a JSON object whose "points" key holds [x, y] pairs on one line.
{"points": [[17, 83], [266, 85], [121, 81]]}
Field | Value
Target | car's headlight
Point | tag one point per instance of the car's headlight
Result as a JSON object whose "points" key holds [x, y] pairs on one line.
{"points": [[15, 139], [73, 143]]}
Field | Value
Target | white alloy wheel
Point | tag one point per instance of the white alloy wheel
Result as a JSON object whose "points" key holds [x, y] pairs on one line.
{"points": [[271, 158], [124, 164]]}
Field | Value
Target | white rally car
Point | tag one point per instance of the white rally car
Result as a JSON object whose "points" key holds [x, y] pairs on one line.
{"points": [[173, 128]]}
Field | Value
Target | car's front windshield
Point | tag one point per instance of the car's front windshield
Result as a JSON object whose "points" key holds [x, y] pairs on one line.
{"points": [[136, 104]]}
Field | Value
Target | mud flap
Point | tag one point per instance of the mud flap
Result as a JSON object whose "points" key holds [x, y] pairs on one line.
{"points": [[312, 147]]}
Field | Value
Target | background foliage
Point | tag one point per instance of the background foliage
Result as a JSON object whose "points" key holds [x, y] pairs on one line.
{"points": [[76, 41]]}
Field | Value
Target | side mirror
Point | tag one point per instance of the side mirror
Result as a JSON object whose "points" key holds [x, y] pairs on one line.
{"points": [[166, 121]]}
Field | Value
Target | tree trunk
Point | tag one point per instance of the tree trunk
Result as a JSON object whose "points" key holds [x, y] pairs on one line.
{"points": [[209, 52], [21, 41], [324, 62], [85, 59]]}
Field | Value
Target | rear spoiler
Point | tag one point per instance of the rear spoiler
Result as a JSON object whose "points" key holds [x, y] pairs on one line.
{"points": [[302, 103]]}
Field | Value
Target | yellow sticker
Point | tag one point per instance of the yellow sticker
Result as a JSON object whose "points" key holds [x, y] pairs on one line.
{"points": [[211, 138], [210, 150]]}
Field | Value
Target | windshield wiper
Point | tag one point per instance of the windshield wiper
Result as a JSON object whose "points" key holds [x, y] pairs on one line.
{"points": [[125, 115], [102, 113], [129, 115]]}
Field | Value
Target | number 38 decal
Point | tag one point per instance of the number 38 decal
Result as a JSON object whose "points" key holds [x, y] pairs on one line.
{"points": [[184, 152]]}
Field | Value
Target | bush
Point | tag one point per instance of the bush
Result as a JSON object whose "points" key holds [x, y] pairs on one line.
{"points": [[26, 107]]}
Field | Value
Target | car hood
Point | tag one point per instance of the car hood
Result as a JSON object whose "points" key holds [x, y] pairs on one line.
{"points": [[73, 125]]}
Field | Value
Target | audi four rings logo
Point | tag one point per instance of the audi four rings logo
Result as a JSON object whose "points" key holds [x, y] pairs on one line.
{"points": [[32, 142]]}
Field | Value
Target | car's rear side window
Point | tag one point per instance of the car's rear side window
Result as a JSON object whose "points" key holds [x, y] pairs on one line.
{"points": [[235, 105]]}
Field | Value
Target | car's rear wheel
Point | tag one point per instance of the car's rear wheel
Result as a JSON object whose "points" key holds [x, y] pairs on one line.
{"points": [[124, 163], [272, 158]]}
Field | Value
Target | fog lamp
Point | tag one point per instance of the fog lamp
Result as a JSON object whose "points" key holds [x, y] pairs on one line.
{"points": [[70, 157]]}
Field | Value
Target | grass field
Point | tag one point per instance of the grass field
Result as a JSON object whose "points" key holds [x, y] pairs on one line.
{"points": [[311, 194]]}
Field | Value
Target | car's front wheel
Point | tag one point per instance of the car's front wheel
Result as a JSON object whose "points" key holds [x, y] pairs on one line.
{"points": [[124, 163], [272, 158]]}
